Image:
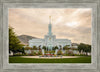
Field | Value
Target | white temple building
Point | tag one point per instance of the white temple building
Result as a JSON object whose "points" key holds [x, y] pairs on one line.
{"points": [[49, 40]]}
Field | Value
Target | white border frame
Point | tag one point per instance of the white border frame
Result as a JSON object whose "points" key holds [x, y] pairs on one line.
{"points": [[92, 65]]}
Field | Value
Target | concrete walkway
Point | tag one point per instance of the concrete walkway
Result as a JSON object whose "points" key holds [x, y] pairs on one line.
{"points": [[50, 57]]}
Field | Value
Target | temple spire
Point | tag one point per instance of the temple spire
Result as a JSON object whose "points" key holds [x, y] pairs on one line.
{"points": [[50, 26], [50, 19]]}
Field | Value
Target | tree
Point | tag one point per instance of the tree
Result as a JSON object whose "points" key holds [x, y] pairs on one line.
{"points": [[23, 50], [84, 47], [53, 48], [14, 43], [81, 47], [60, 47], [65, 47], [56, 47], [44, 47], [34, 48], [39, 47], [87, 49]]}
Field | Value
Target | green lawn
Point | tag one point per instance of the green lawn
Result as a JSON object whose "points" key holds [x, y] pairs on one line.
{"points": [[84, 59]]}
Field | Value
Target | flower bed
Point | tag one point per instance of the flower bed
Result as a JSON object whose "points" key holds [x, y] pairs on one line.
{"points": [[50, 55]]}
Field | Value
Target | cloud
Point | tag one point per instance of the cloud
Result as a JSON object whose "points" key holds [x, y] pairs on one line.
{"points": [[70, 23]]}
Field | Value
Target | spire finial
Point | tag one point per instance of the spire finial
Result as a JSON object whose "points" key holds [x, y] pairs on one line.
{"points": [[50, 19]]}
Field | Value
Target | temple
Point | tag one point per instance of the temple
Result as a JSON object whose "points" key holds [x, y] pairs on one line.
{"points": [[49, 40]]}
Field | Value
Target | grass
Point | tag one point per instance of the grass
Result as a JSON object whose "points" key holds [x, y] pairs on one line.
{"points": [[18, 59]]}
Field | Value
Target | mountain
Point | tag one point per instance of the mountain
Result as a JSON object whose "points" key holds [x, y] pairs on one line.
{"points": [[75, 44], [25, 38]]}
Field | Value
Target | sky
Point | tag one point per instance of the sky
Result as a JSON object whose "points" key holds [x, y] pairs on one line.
{"points": [[67, 23]]}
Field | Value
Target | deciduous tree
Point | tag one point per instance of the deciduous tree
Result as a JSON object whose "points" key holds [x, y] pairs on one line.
{"points": [[14, 43]]}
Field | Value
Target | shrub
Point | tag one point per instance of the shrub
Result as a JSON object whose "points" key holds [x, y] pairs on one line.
{"points": [[34, 48], [69, 53], [80, 55], [17, 55], [39, 53], [27, 48], [31, 54], [59, 52], [55, 55]]}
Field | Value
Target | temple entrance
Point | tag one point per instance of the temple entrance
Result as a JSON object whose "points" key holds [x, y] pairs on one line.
{"points": [[49, 47]]}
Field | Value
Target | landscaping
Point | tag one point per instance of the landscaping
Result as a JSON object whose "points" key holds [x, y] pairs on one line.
{"points": [[19, 59], [47, 54]]}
